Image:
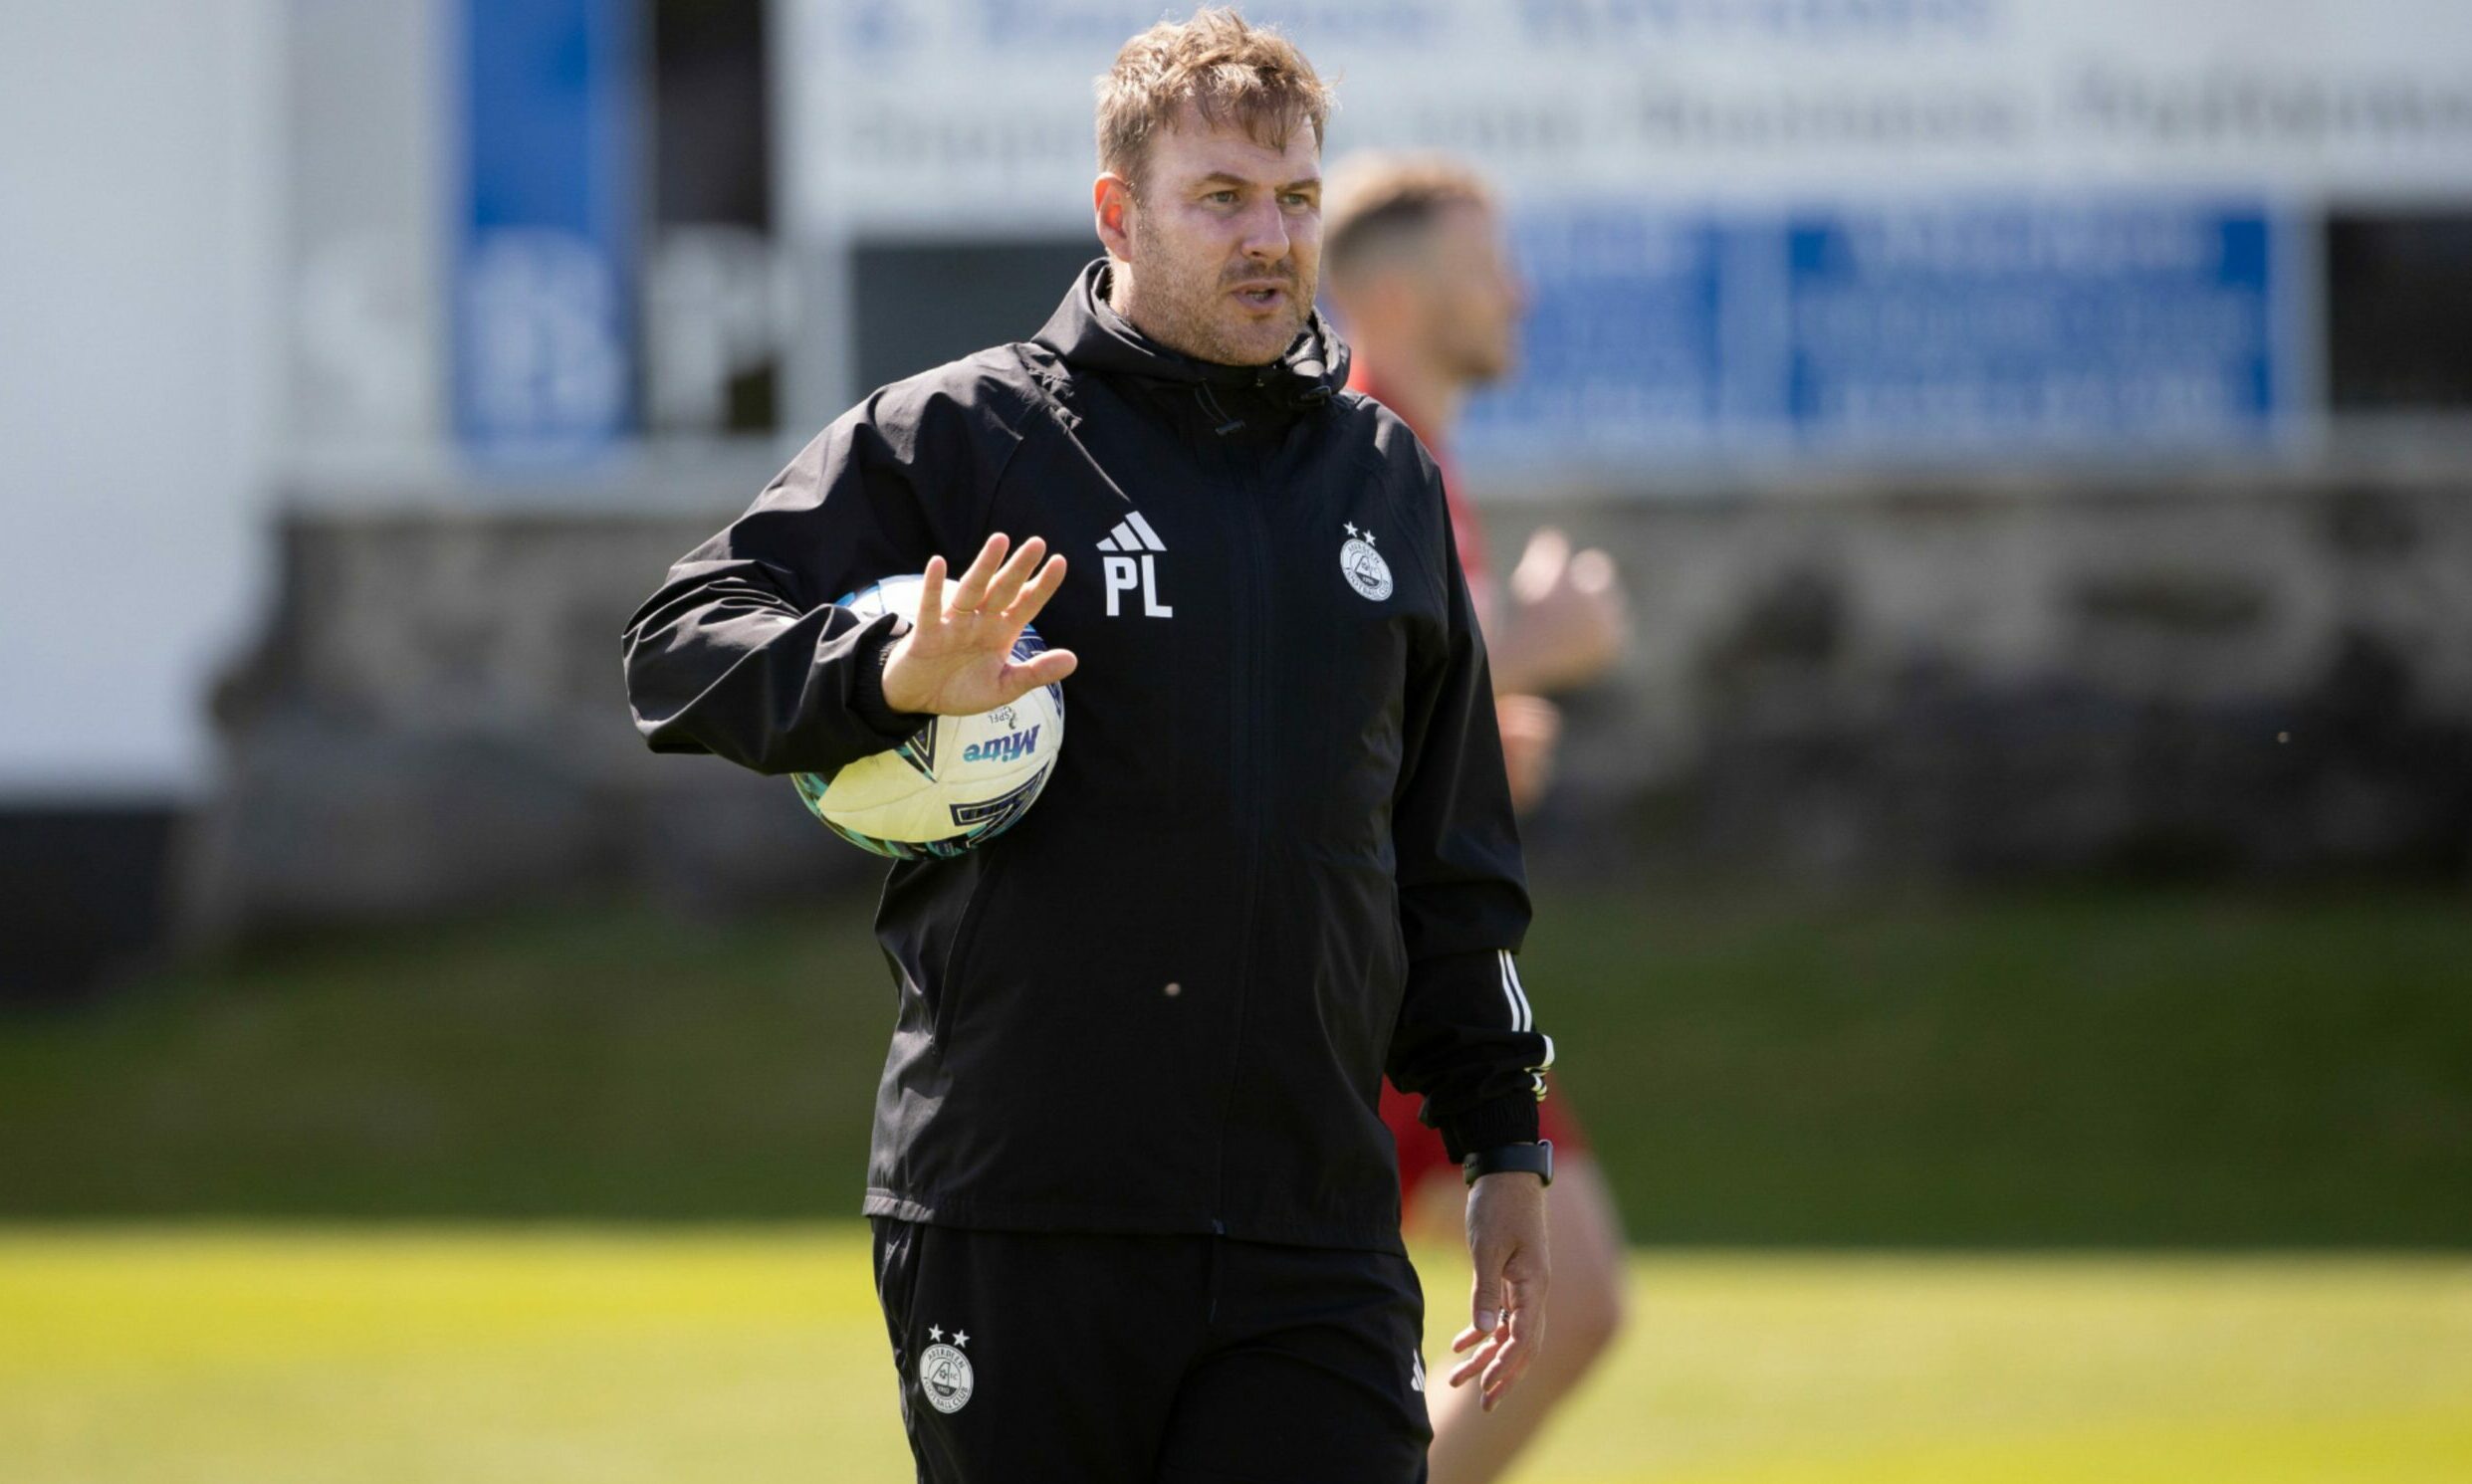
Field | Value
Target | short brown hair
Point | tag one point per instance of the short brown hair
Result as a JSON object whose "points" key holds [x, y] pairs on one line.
{"points": [[1377, 201], [1223, 67]]}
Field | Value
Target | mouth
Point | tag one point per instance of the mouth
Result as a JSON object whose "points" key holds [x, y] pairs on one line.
{"points": [[1260, 296]]}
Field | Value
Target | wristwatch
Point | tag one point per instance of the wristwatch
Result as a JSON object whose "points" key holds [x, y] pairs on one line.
{"points": [[1535, 1159]]}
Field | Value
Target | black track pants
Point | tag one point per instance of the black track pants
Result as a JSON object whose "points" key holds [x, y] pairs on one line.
{"points": [[1103, 1359]]}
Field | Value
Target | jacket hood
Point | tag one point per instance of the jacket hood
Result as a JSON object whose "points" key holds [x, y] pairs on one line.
{"points": [[1085, 330]]}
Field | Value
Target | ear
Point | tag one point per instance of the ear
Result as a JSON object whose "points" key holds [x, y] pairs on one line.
{"points": [[1111, 200]]}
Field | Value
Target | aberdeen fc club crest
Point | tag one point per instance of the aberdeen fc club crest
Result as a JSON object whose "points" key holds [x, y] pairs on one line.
{"points": [[945, 1374], [1366, 571]]}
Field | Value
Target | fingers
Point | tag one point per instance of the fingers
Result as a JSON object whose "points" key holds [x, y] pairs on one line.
{"points": [[1502, 1352], [1466, 1369], [1526, 1279], [1593, 570], [1548, 546], [1510, 1358], [1542, 565], [996, 584], [1028, 600], [971, 595], [931, 592], [1487, 1329], [1044, 669], [1487, 1344], [1010, 578]]}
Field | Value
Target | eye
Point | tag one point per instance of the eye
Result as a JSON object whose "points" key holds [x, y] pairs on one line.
{"points": [[1221, 196], [1298, 198]]}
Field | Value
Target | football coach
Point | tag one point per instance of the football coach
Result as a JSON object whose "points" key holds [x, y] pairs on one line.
{"points": [[1136, 1213]]}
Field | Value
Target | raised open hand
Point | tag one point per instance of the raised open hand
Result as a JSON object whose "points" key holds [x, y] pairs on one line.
{"points": [[957, 658], [1568, 617]]}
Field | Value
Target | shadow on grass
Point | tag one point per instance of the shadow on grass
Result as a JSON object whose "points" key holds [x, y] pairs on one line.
{"points": [[2082, 1069]]}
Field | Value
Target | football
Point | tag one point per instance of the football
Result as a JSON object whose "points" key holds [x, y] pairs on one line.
{"points": [[959, 781]]}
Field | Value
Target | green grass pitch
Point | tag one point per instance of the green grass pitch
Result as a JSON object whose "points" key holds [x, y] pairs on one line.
{"points": [[2186, 1070], [163, 1355]]}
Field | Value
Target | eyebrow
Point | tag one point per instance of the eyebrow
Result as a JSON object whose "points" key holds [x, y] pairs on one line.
{"points": [[1217, 176]]}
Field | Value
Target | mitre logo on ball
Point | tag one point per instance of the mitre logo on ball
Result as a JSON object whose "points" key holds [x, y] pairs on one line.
{"points": [[957, 782]]}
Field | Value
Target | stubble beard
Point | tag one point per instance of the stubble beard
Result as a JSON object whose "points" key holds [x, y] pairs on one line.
{"points": [[1195, 315]]}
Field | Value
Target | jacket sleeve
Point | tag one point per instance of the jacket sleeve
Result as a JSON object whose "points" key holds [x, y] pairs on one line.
{"points": [[743, 653], [1465, 1039]]}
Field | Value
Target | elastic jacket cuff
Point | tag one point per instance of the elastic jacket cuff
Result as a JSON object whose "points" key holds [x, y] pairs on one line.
{"points": [[1510, 1120], [867, 695]]}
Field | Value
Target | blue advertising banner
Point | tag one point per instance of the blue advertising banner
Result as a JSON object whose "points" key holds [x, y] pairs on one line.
{"points": [[543, 314], [2085, 326], [1624, 329], [1762, 232]]}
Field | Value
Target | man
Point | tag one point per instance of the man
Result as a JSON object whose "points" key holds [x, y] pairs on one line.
{"points": [[1136, 1214], [1425, 291]]}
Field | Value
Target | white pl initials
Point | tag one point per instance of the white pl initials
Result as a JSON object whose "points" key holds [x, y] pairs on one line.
{"points": [[1123, 576]]}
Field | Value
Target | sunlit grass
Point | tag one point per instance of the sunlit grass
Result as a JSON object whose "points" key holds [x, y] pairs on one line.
{"points": [[2101, 1369], [481, 1354]]}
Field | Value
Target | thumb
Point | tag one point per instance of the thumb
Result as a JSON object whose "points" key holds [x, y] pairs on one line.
{"points": [[1043, 669], [1486, 1306]]}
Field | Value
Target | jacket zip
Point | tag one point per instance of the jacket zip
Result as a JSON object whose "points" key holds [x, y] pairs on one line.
{"points": [[1250, 618], [955, 1111]]}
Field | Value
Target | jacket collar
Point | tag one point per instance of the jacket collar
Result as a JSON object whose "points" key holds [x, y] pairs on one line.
{"points": [[1086, 331]]}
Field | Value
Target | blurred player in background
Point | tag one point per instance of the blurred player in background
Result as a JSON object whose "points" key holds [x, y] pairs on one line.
{"points": [[1417, 270]]}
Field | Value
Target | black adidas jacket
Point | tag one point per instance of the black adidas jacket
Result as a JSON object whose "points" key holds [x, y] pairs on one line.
{"points": [[1276, 855]]}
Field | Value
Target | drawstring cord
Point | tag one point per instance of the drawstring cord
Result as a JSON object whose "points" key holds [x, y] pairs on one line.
{"points": [[1312, 398], [1210, 403]]}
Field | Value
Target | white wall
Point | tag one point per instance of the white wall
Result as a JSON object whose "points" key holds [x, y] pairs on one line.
{"points": [[138, 159]]}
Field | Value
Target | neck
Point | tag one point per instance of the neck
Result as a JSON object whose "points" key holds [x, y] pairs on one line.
{"points": [[1411, 385], [1125, 300]]}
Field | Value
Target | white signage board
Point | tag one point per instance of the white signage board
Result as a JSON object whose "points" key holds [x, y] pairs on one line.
{"points": [[1802, 180], [975, 116]]}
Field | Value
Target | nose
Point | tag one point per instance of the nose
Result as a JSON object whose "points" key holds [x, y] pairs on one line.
{"points": [[1265, 233]]}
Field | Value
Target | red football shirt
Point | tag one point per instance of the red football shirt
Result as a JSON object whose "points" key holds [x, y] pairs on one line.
{"points": [[1420, 1153]]}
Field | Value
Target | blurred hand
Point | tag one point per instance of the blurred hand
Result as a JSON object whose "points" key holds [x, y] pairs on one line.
{"points": [[1507, 1241], [1568, 617], [1531, 727], [957, 660]]}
